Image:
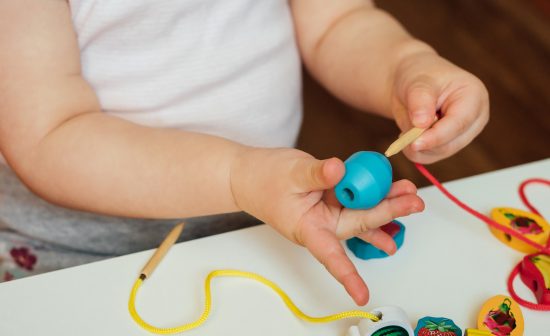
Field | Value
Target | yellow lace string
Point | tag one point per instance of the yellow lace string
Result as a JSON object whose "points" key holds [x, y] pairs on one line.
{"points": [[208, 305]]}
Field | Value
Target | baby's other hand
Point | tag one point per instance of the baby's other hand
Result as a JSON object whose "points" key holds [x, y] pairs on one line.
{"points": [[293, 192], [425, 83]]}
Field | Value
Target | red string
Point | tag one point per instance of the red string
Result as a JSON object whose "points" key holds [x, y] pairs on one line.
{"points": [[515, 296], [499, 226], [524, 199], [479, 215]]}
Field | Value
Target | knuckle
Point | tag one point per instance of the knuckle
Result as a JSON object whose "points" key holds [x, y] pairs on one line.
{"points": [[387, 211], [368, 235], [364, 226], [395, 211]]}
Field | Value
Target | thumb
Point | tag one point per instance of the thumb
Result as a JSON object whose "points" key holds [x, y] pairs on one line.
{"points": [[421, 101], [312, 175]]}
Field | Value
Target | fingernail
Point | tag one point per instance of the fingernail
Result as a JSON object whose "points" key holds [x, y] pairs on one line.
{"points": [[421, 119], [418, 145], [417, 207]]}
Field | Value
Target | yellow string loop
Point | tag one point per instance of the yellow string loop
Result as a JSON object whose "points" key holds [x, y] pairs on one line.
{"points": [[208, 305]]}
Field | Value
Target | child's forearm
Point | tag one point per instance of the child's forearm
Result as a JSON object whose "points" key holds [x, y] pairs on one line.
{"points": [[353, 49], [100, 163], [54, 135]]}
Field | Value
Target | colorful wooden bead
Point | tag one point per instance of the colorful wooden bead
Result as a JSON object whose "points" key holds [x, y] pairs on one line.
{"points": [[530, 225], [535, 273], [365, 251], [366, 182], [393, 322], [436, 326], [501, 316]]}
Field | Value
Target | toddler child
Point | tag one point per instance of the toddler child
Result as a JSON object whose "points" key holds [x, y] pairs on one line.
{"points": [[136, 113]]}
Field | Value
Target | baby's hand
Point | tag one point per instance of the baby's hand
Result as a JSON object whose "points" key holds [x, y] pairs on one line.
{"points": [[293, 192], [425, 83]]}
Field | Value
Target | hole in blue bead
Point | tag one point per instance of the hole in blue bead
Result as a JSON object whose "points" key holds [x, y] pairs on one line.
{"points": [[348, 194]]}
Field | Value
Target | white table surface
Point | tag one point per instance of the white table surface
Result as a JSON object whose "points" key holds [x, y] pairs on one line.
{"points": [[449, 265]]}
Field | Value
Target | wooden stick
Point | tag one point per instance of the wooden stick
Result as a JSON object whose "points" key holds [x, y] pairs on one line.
{"points": [[161, 251], [404, 140]]}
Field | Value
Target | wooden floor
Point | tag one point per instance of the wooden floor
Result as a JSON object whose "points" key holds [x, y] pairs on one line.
{"points": [[506, 43]]}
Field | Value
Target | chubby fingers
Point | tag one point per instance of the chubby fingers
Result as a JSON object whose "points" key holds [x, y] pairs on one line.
{"points": [[401, 201], [461, 110], [310, 174], [466, 112], [327, 249], [401, 187], [421, 101], [439, 152], [376, 236], [379, 239]]}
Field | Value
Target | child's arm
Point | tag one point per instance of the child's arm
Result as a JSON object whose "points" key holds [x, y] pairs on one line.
{"points": [[364, 56], [54, 135]]}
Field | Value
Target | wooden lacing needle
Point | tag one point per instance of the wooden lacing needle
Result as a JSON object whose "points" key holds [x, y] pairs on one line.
{"points": [[404, 140], [408, 137], [161, 251]]}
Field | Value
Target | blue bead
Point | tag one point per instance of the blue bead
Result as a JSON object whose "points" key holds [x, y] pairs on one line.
{"points": [[366, 251], [367, 181]]}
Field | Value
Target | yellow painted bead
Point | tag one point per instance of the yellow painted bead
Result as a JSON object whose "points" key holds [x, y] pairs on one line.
{"points": [[501, 313], [530, 225]]}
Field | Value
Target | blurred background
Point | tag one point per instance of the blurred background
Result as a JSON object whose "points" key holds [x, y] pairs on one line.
{"points": [[506, 43]]}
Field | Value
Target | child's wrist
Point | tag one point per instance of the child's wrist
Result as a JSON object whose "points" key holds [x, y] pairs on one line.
{"points": [[409, 50], [408, 54], [240, 168]]}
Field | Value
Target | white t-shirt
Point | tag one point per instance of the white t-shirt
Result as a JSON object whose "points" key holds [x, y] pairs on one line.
{"points": [[224, 67]]}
